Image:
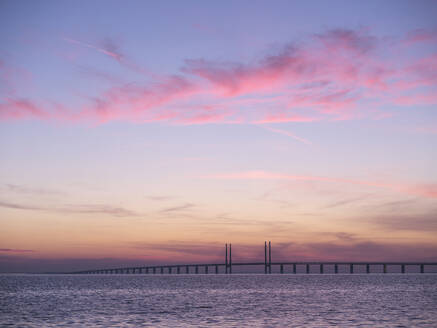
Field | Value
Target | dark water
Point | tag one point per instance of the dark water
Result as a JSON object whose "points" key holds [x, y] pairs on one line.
{"points": [[217, 300]]}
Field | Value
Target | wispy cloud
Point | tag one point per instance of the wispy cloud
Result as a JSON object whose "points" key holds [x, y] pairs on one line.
{"points": [[179, 208], [338, 74], [75, 209], [212, 250], [160, 198], [289, 134], [22, 108], [12, 250], [424, 190], [345, 202], [423, 222], [19, 206], [99, 209], [108, 48], [22, 189]]}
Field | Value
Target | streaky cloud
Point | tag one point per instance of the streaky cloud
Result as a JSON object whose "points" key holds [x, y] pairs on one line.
{"points": [[424, 190], [12, 250], [75, 209], [21, 189], [108, 49], [351, 80], [184, 207], [289, 134]]}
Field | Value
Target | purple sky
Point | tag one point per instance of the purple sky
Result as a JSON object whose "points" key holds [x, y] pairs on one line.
{"points": [[152, 132]]}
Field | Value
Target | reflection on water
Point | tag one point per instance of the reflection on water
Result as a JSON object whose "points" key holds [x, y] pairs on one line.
{"points": [[218, 300]]}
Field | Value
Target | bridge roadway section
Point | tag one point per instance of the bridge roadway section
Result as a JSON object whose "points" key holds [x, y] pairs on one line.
{"points": [[228, 264], [188, 268]]}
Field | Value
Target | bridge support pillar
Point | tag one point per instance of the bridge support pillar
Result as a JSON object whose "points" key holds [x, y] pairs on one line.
{"points": [[216, 269], [162, 270], [367, 268], [197, 269], [178, 270], [230, 258], [336, 268], [351, 269], [321, 268], [294, 268], [265, 257], [206, 269], [187, 269], [308, 268], [385, 268], [422, 268], [282, 268], [169, 270], [403, 268], [226, 259], [154, 270]]}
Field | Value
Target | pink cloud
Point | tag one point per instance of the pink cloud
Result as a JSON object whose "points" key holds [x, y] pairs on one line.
{"points": [[336, 75], [204, 118], [333, 103], [349, 68], [137, 103], [428, 190], [283, 117], [416, 99], [420, 36], [15, 109]]}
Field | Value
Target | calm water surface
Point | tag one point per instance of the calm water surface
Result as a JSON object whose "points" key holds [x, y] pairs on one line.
{"points": [[218, 300]]}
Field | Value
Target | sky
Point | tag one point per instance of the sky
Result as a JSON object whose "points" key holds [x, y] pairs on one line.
{"points": [[147, 132]]}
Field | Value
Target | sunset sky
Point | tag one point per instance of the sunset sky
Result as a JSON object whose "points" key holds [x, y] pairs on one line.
{"points": [[143, 132]]}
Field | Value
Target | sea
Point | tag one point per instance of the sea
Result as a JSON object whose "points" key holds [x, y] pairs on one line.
{"points": [[237, 300]]}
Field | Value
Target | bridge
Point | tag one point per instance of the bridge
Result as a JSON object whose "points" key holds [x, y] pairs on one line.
{"points": [[292, 266]]}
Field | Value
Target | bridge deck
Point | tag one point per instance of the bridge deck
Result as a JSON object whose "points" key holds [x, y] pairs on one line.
{"points": [[228, 264], [280, 264]]}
